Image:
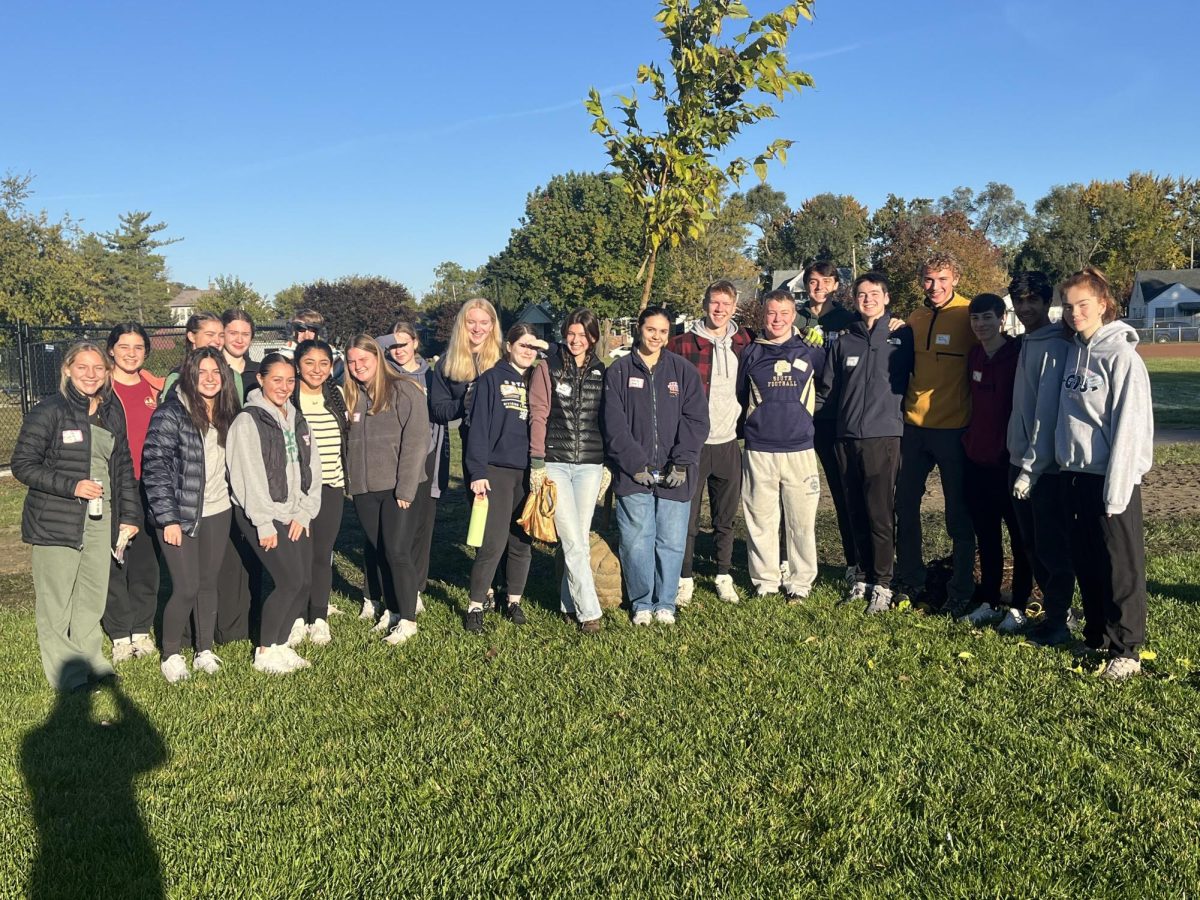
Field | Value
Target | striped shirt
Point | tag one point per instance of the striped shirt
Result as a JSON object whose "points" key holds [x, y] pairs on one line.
{"points": [[328, 436]]}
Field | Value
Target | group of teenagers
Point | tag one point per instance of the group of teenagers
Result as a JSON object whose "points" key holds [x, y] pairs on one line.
{"points": [[228, 467]]}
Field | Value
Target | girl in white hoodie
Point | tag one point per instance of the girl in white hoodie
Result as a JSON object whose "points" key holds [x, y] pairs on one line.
{"points": [[1104, 444]]}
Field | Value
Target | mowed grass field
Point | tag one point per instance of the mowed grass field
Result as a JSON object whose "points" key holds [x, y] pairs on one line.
{"points": [[754, 750], [1175, 386]]}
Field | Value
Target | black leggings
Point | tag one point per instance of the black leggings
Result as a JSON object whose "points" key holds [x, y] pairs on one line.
{"points": [[390, 531], [324, 529], [424, 509], [502, 536], [195, 566], [133, 587], [290, 565]]}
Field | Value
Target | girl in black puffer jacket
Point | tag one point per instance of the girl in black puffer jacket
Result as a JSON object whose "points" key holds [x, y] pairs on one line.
{"points": [[183, 474], [73, 454]]}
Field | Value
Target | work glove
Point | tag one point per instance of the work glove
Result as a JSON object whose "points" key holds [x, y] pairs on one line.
{"points": [[1022, 487], [814, 336], [676, 476], [537, 474], [645, 478]]}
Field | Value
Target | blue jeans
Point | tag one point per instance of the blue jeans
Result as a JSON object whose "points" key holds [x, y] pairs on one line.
{"points": [[578, 486], [653, 534]]}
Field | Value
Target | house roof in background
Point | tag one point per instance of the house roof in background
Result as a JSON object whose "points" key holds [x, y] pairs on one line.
{"points": [[188, 297], [1154, 281]]}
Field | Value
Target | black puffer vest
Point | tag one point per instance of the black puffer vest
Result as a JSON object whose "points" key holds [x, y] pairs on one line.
{"points": [[270, 436], [573, 433]]}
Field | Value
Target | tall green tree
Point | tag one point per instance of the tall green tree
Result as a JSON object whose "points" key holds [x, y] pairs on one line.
{"points": [[288, 300], [453, 284], [717, 88], [717, 253], [43, 276], [995, 212], [135, 284], [827, 227], [768, 209], [576, 245], [230, 292], [359, 303]]}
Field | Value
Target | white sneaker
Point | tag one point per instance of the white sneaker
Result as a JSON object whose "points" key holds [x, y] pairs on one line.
{"points": [[642, 618], [387, 621], [420, 604], [298, 633], [785, 572], [318, 632], [1014, 621], [143, 645], [334, 610], [664, 617], [271, 660], [294, 659], [401, 633], [687, 587], [208, 662], [1120, 668], [122, 650], [174, 669], [369, 610], [725, 589], [858, 591], [984, 614]]}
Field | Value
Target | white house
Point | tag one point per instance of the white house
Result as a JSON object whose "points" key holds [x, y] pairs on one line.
{"points": [[187, 302], [1165, 295]]}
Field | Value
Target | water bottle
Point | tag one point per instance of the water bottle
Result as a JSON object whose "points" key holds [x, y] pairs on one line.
{"points": [[479, 511], [96, 506]]}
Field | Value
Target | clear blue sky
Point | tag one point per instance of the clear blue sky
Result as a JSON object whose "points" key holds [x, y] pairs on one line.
{"points": [[292, 141]]}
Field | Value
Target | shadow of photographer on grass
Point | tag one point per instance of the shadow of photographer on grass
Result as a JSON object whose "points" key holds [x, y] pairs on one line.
{"points": [[80, 775]]}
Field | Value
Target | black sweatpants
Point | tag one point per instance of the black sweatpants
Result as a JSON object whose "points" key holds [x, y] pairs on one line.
{"points": [[867, 468], [133, 587], [240, 589], [390, 531], [989, 501], [825, 443], [194, 566], [424, 509], [1045, 525], [325, 528], [720, 469], [502, 536], [1110, 563], [290, 566]]}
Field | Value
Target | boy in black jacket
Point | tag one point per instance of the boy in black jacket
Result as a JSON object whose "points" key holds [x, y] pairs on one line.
{"points": [[865, 379]]}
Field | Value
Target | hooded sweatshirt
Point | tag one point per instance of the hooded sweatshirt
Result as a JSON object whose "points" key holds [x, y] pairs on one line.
{"points": [[1036, 394], [778, 385], [716, 359], [985, 440], [1105, 418], [248, 479], [499, 434]]}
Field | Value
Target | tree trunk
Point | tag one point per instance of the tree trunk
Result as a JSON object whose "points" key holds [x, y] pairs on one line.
{"points": [[649, 283]]}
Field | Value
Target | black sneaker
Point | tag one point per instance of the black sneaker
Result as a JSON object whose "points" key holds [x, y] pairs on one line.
{"points": [[515, 614], [474, 621], [1049, 634]]}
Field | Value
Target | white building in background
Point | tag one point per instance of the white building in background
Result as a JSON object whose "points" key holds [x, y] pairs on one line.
{"points": [[187, 302], [1165, 295]]}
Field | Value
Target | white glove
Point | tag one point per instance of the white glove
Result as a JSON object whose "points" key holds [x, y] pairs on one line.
{"points": [[1022, 486]]}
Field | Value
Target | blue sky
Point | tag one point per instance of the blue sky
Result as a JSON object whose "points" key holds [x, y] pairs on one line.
{"points": [[288, 142]]}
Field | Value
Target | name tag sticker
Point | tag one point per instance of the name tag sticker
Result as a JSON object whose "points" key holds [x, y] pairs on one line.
{"points": [[357, 417], [800, 364], [636, 382], [977, 375], [72, 436], [563, 389], [851, 362], [942, 340], [306, 438]]}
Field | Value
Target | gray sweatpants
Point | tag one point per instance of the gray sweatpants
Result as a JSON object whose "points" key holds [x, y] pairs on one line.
{"points": [[793, 478]]}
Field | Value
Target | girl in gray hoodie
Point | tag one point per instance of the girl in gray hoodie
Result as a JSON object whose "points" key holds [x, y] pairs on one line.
{"points": [[1104, 444], [275, 479]]}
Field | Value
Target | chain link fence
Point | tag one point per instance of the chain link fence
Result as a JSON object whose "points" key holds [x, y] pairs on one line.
{"points": [[31, 358]]}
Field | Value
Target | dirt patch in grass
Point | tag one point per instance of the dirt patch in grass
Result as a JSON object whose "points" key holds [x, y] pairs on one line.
{"points": [[1169, 351]]}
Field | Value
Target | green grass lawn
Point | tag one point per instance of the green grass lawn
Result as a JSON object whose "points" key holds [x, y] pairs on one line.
{"points": [[753, 750], [1175, 385]]}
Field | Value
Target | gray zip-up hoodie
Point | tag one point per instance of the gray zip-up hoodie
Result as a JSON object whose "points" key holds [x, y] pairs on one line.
{"points": [[1035, 400], [723, 407], [387, 452], [1105, 417], [248, 478]]}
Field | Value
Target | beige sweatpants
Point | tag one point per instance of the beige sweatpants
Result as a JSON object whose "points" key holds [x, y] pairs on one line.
{"points": [[768, 479]]}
